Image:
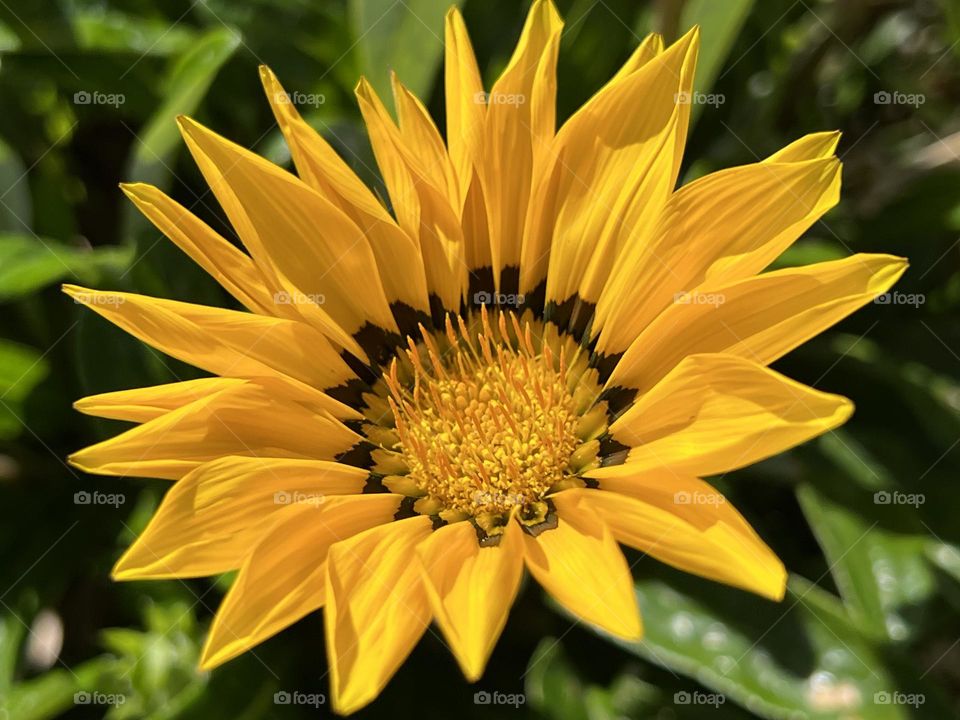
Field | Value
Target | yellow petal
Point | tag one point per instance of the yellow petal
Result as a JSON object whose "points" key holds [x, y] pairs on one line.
{"points": [[714, 413], [233, 269], [211, 519], [421, 137], [463, 90], [311, 246], [471, 589], [538, 234], [422, 204], [684, 522], [809, 147], [143, 404], [580, 565], [617, 158], [649, 48], [398, 258], [376, 609], [225, 342], [760, 318], [248, 420], [723, 227], [519, 126], [284, 577]]}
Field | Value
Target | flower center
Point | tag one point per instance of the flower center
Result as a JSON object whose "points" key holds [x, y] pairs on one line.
{"points": [[489, 420]]}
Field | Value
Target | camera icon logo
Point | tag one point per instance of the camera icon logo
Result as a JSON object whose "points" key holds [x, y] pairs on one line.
{"points": [[482, 698], [282, 697]]}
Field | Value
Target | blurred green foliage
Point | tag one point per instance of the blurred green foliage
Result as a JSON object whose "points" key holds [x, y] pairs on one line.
{"points": [[871, 623]]}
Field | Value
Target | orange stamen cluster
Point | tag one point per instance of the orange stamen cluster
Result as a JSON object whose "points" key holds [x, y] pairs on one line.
{"points": [[489, 424]]}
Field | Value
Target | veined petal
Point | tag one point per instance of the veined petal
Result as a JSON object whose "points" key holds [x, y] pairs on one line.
{"points": [[397, 254], [225, 342], [714, 413], [723, 227], [421, 137], [376, 609], [284, 577], [553, 186], [579, 564], [247, 420], [422, 204], [684, 522], [618, 159], [646, 50], [761, 318], [142, 404], [463, 90], [312, 247], [519, 126], [810, 147], [211, 519], [233, 269], [471, 589]]}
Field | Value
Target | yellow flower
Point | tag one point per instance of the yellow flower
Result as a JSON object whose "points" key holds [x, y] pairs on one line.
{"points": [[534, 356]]}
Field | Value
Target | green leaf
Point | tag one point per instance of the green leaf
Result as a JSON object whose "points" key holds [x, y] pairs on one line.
{"points": [[883, 575], [187, 82], [28, 264], [801, 659], [56, 691], [406, 37], [113, 31], [21, 369]]}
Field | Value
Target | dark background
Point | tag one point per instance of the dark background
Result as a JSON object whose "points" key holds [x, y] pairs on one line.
{"points": [[870, 628]]}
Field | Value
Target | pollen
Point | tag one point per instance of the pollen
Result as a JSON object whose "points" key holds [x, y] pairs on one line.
{"points": [[489, 422]]}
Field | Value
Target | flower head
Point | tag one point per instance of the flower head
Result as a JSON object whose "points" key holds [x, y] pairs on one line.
{"points": [[534, 354]]}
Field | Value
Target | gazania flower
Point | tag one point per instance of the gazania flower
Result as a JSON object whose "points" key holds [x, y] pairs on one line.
{"points": [[532, 355]]}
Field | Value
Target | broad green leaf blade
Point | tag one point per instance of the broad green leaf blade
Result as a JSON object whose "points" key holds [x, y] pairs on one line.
{"points": [[406, 37], [28, 264], [801, 659], [883, 574]]}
